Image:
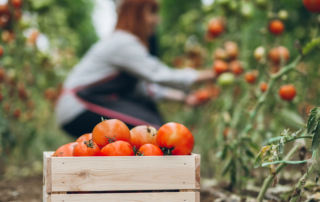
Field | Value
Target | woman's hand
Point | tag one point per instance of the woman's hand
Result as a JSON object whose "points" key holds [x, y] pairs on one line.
{"points": [[205, 75], [197, 98]]}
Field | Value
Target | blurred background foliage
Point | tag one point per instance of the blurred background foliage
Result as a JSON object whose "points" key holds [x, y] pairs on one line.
{"points": [[31, 76]]}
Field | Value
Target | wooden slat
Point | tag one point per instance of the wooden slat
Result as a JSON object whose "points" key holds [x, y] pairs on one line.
{"points": [[198, 170], [47, 171], [122, 173], [197, 196], [128, 197]]}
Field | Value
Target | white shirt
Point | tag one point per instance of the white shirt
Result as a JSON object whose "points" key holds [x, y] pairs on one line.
{"points": [[121, 52]]}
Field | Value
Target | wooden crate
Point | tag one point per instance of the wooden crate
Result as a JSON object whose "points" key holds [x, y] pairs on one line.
{"points": [[121, 179]]}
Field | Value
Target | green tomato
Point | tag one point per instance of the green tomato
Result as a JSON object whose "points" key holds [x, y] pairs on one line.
{"points": [[261, 3], [226, 79], [283, 15], [247, 10]]}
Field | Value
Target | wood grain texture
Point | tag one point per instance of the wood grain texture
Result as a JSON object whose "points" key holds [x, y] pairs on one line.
{"points": [[197, 196], [123, 173], [198, 170], [47, 171], [128, 197]]}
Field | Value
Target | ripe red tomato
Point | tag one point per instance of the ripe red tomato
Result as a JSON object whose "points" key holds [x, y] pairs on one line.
{"points": [[17, 3], [215, 27], [85, 137], [202, 95], [220, 67], [2, 74], [1, 51], [287, 92], [312, 5], [276, 27], [278, 54], [142, 135], [232, 49], [175, 139], [236, 67], [17, 113], [110, 129], [150, 150], [263, 86], [118, 148], [86, 148], [250, 77], [65, 150]]}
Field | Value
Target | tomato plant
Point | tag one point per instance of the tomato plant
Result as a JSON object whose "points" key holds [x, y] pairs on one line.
{"points": [[175, 139], [216, 27], [236, 67]]}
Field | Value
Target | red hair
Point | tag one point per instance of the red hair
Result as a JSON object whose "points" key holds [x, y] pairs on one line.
{"points": [[131, 17]]}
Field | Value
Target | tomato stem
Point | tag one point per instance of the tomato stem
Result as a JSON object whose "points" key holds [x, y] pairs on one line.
{"points": [[166, 151], [89, 143], [111, 139], [137, 152]]}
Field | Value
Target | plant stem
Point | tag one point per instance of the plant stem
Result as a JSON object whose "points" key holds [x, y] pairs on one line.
{"points": [[303, 179], [267, 182], [263, 97]]}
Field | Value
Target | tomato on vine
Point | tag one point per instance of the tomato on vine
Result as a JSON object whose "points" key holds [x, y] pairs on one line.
{"points": [[279, 54], [312, 5], [216, 27], [1, 51], [112, 128], [142, 135], [202, 95], [118, 148], [251, 77], [220, 67], [236, 67], [276, 27], [263, 86], [232, 49], [287, 92], [86, 148], [226, 79], [65, 150], [175, 139], [150, 150], [16, 3]]}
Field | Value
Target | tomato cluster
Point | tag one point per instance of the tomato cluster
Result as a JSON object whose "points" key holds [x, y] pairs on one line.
{"points": [[113, 138]]}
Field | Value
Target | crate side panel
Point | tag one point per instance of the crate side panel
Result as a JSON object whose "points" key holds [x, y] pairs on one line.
{"points": [[134, 197], [123, 173]]}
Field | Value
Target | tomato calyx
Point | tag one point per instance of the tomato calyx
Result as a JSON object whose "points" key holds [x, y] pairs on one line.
{"points": [[167, 151], [137, 152], [111, 139], [89, 143]]}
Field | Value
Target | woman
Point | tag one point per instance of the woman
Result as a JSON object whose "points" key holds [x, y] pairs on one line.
{"points": [[119, 79]]}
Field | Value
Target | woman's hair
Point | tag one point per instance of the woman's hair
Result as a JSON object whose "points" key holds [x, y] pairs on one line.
{"points": [[131, 17]]}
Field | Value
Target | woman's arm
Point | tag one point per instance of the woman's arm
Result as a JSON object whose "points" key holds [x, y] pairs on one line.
{"points": [[134, 59]]}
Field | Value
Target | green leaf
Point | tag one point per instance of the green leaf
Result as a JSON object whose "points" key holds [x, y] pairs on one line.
{"points": [[274, 139], [261, 156], [224, 152], [315, 139], [292, 117], [287, 162], [249, 153], [227, 167], [310, 46]]}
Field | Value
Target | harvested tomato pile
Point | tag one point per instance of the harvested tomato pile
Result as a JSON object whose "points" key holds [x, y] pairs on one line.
{"points": [[113, 138]]}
